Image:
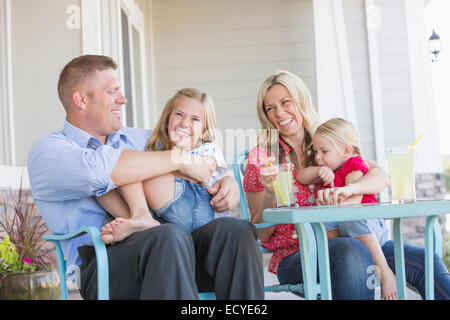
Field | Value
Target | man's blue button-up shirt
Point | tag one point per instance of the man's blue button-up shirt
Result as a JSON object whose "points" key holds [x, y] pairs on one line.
{"points": [[67, 169]]}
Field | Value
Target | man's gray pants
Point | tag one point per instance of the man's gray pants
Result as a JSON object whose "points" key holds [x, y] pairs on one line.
{"points": [[166, 262]]}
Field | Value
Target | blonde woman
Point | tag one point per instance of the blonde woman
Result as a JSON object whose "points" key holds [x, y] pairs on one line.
{"points": [[285, 106], [338, 163], [187, 123]]}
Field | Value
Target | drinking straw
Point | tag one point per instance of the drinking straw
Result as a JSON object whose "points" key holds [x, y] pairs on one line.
{"points": [[415, 142], [278, 190], [400, 192]]}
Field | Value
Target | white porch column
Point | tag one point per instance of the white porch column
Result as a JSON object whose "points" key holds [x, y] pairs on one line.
{"points": [[373, 24], [7, 137], [334, 80], [429, 159], [91, 27], [111, 31]]}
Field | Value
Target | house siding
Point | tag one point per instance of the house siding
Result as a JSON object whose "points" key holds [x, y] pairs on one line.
{"points": [[355, 24], [228, 48], [394, 74], [41, 46]]}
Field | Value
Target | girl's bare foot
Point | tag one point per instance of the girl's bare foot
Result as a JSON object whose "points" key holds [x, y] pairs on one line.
{"points": [[388, 285], [120, 228]]}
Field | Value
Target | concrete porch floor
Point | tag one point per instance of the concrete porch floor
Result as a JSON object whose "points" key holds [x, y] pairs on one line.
{"points": [[270, 278]]}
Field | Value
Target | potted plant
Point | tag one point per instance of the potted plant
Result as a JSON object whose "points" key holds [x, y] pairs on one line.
{"points": [[27, 262]]}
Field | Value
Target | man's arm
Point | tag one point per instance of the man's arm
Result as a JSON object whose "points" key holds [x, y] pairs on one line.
{"points": [[133, 166], [59, 170]]}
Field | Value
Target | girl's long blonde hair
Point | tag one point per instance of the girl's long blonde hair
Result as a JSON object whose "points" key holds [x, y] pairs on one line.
{"points": [[302, 99], [160, 140], [341, 132]]}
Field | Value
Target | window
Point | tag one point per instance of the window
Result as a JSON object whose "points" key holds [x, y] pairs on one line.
{"points": [[133, 65]]}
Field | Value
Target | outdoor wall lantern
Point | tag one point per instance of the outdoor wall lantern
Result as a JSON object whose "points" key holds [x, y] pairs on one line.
{"points": [[435, 45]]}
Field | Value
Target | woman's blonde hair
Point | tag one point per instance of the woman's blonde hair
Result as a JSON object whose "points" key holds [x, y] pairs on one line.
{"points": [[301, 97], [160, 139], [340, 132]]}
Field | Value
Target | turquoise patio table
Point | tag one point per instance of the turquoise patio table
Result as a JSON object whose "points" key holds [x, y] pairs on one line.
{"points": [[302, 216]]}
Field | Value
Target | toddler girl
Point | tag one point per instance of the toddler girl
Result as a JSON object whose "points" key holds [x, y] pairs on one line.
{"points": [[339, 162], [187, 123]]}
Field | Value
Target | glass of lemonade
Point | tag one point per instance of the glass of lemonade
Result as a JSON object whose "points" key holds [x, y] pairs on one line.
{"points": [[284, 186], [402, 173]]}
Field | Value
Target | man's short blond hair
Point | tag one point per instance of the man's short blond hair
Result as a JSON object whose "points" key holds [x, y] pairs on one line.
{"points": [[77, 71]]}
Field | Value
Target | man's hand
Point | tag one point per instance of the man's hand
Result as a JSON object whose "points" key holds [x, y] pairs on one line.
{"points": [[225, 194]]}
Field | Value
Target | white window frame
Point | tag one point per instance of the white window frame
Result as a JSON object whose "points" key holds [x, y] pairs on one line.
{"points": [[136, 20], [102, 28]]}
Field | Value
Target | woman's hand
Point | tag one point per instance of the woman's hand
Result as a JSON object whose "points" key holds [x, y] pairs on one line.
{"points": [[269, 173], [333, 196]]}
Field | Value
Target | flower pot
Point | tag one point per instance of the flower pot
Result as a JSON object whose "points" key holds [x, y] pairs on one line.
{"points": [[39, 285]]}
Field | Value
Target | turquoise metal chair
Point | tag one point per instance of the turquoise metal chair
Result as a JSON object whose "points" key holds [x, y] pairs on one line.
{"points": [[307, 232], [101, 257], [102, 262]]}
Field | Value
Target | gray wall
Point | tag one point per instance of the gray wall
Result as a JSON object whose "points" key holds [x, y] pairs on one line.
{"points": [[395, 74], [227, 48], [355, 24], [41, 46]]}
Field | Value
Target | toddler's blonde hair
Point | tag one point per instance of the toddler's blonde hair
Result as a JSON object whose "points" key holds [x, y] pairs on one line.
{"points": [[340, 132], [160, 140]]}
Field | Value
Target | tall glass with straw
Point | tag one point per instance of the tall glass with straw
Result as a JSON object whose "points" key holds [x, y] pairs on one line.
{"points": [[402, 173], [284, 186]]}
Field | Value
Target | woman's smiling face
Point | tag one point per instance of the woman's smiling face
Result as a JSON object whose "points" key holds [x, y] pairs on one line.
{"points": [[282, 111]]}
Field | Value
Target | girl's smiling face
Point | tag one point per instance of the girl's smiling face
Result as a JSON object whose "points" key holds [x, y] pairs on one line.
{"points": [[327, 153], [185, 126]]}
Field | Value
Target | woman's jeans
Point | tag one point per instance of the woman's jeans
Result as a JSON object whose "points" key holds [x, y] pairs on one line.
{"points": [[352, 272], [414, 269]]}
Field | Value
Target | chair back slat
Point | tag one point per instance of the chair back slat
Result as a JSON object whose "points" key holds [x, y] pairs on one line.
{"points": [[238, 170]]}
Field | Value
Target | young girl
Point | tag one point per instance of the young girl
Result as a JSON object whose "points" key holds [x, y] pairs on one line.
{"points": [[187, 123], [339, 162]]}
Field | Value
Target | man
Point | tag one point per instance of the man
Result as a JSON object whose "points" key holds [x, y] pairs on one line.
{"points": [[94, 154]]}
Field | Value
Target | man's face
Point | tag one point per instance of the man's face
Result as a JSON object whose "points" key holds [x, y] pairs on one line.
{"points": [[104, 103]]}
